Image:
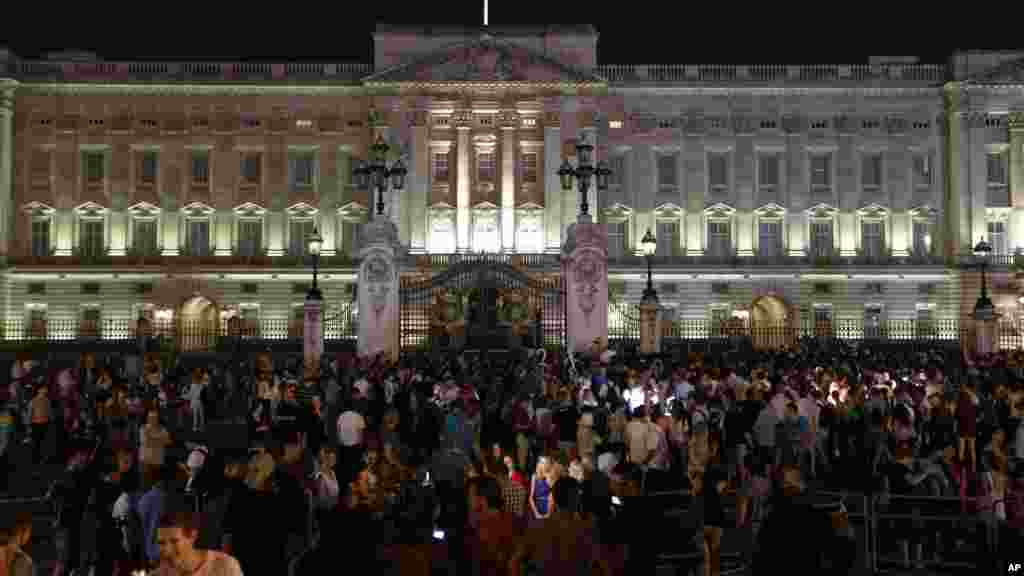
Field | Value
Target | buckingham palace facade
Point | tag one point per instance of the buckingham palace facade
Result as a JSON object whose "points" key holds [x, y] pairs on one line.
{"points": [[826, 192]]}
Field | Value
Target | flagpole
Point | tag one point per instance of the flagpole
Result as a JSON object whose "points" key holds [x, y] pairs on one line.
{"points": [[485, 13]]}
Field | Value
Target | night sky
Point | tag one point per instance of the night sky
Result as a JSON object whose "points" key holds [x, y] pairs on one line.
{"points": [[655, 32]]}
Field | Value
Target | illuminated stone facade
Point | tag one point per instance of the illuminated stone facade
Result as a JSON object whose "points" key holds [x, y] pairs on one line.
{"points": [[843, 191]]}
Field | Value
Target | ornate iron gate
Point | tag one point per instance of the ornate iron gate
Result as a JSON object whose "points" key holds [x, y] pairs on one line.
{"points": [[482, 305]]}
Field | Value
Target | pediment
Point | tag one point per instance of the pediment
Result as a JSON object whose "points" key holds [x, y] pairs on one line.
{"points": [[90, 210], [36, 208], [618, 210], [302, 210], [771, 210], [353, 210], [822, 211], [143, 210], [1009, 72], [997, 214], [668, 210], [441, 207], [530, 207], [719, 210], [250, 210], [873, 210], [198, 210], [485, 207], [924, 211], [485, 59]]}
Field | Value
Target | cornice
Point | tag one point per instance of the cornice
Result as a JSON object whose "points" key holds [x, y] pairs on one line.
{"points": [[780, 90], [83, 89]]}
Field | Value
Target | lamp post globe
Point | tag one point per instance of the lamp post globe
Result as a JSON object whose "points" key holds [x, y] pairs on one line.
{"points": [[375, 172], [315, 243]]}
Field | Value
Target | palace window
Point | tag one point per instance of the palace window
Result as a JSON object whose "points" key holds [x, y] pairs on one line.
{"points": [[90, 238], [41, 236], [485, 231], [718, 173], [303, 170], [197, 241], [872, 238], [441, 174], [768, 177], [769, 239], [250, 237], [529, 239], [668, 179], [618, 245], [871, 173], [719, 239], [997, 237], [95, 167], [998, 181], [144, 237], [668, 238], [821, 176], [617, 164], [485, 167], [922, 172], [200, 168], [353, 233], [923, 238], [821, 238], [252, 168], [528, 167], [298, 233], [147, 168]]}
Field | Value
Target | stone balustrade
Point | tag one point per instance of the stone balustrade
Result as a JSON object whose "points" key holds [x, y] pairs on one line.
{"points": [[350, 72]]}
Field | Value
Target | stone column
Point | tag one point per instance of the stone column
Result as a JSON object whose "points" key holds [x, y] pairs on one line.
{"points": [[552, 185], [462, 186], [508, 187], [119, 222], [7, 88], [418, 182], [275, 232], [223, 221], [585, 276], [986, 331], [170, 223], [313, 328], [650, 329], [378, 290], [1017, 180]]}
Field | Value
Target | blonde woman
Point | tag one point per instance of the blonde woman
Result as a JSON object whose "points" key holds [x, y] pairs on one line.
{"points": [[327, 488], [541, 497]]}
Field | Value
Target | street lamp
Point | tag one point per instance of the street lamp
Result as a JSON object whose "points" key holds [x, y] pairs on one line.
{"points": [[650, 246], [376, 172], [983, 308], [583, 172], [315, 242]]}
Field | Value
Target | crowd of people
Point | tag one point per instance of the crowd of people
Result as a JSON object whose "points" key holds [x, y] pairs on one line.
{"points": [[531, 461]]}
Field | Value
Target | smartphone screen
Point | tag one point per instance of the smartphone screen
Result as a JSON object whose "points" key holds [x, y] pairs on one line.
{"points": [[438, 534], [616, 501]]}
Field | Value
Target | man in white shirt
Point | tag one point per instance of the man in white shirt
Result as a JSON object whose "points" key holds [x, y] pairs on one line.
{"points": [[641, 438], [176, 537], [351, 426]]}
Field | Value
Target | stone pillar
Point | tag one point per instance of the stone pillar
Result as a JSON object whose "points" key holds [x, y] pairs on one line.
{"points": [[275, 232], [170, 222], [1017, 180], [508, 188], [223, 226], [650, 328], [119, 222], [585, 274], [7, 87], [986, 329], [462, 188], [378, 290], [313, 328], [419, 182], [552, 185]]}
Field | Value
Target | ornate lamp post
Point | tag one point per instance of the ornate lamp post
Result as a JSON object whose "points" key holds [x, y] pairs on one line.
{"points": [[983, 308], [583, 172], [650, 246], [376, 172], [315, 242]]}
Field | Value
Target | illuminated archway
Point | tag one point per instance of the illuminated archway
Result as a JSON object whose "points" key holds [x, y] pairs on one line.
{"points": [[198, 323], [771, 323]]}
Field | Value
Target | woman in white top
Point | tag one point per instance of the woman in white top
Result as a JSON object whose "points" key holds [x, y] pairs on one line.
{"points": [[327, 487]]}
